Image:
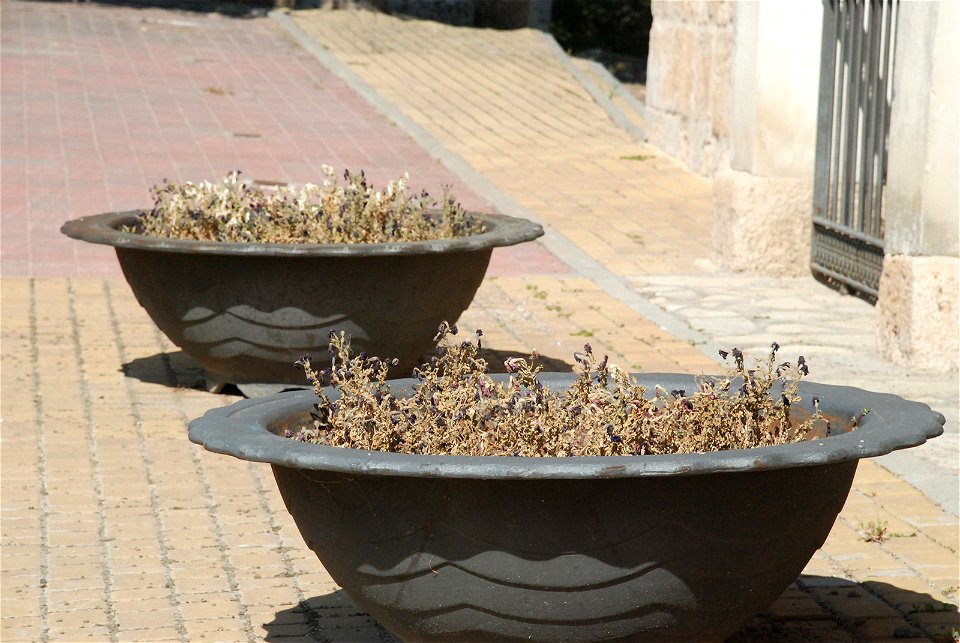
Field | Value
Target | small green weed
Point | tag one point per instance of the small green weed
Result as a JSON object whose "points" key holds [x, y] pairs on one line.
{"points": [[536, 292], [874, 531]]}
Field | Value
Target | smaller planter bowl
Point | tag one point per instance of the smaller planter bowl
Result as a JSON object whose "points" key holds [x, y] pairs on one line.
{"points": [[632, 548], [247, 311]]}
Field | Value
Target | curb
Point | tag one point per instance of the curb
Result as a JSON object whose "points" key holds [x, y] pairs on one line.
{"points": [[617, 116]]}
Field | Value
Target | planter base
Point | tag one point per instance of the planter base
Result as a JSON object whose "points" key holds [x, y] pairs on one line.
{"points": [[214, 383], [690, 558]]}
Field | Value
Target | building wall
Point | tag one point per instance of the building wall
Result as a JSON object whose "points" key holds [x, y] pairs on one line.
{"points": [[762, 198], [688, 81], [732, 92], [918, 305]]}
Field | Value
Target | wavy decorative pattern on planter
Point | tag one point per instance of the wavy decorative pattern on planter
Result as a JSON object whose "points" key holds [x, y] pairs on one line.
{"points": [[682, 547], [246, 312]]}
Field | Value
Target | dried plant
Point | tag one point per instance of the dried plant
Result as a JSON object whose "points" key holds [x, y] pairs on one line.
{"points": [[349, 212], [456, 408]]}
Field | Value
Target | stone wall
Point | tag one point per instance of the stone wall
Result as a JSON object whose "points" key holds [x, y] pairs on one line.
{"points": [[732, 92], [689, 81], [918, 304], [917, 312], [763, 198]]}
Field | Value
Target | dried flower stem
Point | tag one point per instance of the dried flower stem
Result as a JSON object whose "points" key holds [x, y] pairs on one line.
{"points": [[457, 409], [352, 212]]}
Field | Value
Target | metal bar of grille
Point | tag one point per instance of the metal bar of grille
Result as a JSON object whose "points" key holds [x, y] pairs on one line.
{"points": [[852, 125], [825, 111], [837, 125], [883, 107], [869, 148], [834, 188], [852, 120]]}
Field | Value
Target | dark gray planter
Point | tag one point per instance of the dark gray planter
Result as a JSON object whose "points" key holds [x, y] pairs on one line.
{"points": [[247, 312], [682, 547]]}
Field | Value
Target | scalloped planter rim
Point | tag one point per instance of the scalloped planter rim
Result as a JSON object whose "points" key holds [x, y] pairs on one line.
{"points": [[246, 311], [666, 547]]}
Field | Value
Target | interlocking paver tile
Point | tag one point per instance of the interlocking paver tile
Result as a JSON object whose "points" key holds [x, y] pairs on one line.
{"points": [[99, 104], [506, 104], [114, 526]]}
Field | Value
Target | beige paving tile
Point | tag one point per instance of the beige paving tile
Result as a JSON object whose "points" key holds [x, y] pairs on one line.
{"points": [[119, 528], [573, 158]]}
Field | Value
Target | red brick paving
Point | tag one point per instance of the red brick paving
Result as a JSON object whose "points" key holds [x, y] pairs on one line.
{"points": [[100, 103]]}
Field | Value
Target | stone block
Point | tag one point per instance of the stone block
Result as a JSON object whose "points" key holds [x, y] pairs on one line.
{"points": [[688, 78], [721, 73], [761, 225], [917, 312]]}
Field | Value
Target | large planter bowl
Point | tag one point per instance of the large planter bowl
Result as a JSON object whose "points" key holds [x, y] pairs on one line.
{"points": [[673, 547], [246, 312]]}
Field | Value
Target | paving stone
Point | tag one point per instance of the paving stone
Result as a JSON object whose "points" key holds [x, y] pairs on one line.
{"points": [[119, 528]]}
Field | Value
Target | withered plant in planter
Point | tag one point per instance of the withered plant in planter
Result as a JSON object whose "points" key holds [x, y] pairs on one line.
{"points": [[587, 506], [235, 211], [246, 278], [457, 408]]}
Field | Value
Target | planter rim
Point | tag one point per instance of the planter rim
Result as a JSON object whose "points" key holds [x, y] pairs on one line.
{"points": [[893, 423], [502, 230]]}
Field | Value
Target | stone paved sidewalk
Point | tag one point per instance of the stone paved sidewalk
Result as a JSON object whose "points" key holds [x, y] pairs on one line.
{"points": [[99, 105], [115, 527], [626, 206]]}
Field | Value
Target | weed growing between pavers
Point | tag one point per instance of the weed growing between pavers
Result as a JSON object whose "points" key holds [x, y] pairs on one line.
{"points": [[458, 409], [876, 531], [349, 212]]}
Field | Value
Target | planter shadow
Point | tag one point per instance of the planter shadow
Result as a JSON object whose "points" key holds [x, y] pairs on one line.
{"points": [[335, 616], [327, 617], [870, 610], [176, 369]]}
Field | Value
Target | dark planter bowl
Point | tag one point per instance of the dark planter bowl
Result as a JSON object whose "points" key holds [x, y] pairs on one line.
{"points": [[673, 547], [246, 312]]}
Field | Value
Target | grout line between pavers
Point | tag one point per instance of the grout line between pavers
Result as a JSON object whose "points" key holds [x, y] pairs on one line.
{"points": [[211, 506], [938, 483], [618, 87], [313, 618], [854, 579], [144, 450], [112, 624], [563, 248], [618, 117], [44, 580]]}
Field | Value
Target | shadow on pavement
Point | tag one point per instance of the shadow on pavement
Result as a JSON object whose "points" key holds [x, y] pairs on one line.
{"points": [[334, 617], [331, 617], [232, 9], [175, 369], [866, 611], [178, 370]]}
